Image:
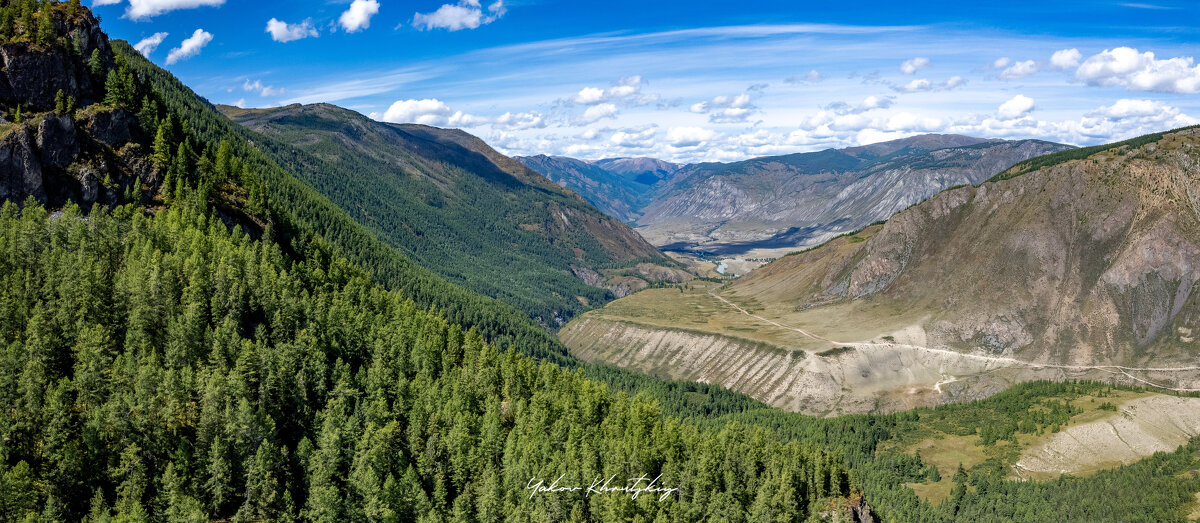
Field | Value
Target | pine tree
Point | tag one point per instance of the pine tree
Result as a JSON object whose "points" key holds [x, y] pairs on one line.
{"points": [[60, 102], [45, 34], [26, 19], [223, 164], [161, 149], [6, 23], [96, 65]]}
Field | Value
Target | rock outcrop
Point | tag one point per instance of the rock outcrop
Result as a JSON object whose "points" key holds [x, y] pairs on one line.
{"points": [[20, 169], [56, 141]]}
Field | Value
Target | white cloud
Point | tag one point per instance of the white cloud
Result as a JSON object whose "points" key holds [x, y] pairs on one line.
{"points": [[811, 77], [240, 104], [597, 112], [912, 66], [923, 84], [430, 111], [263, 90], [917, 85], [519, 121], [466, 14], [1016, 107], [908, 122], [1019, 70], [689, 136], [1125, 108], [1066, 58], [358, 16], [148, 44], [105, 2], [589, 96], [142, 9], [1136, 71], [285, 32], [1001, 62], [633, 138], [869, 103], [726, 109], [189, 47], [626, 91]]}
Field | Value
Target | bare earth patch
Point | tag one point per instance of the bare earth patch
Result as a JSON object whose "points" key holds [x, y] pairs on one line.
{"points": [[1140, 428]]}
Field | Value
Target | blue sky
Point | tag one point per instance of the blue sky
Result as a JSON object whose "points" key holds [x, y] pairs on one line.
{"points": [[693, 81]]}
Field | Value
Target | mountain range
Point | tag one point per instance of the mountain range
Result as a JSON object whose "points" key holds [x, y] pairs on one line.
{"points": [[790, 201]]}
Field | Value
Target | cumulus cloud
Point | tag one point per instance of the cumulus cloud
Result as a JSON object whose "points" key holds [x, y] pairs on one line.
{"points": [[917, 85], [142, 9], [1019, 70], [868, 103], [1001, 62], [912, 66], [923, 84], [148, 44], [358, 16], [626, 91], [240, 104], [634, 138], [285, 32], [429, 111], [520, 121], [1015, 107], [909, 122], [689, 136], [1066, 58], [726, 109], [1126, 108], [1135, 71], [189, 47], [466, 14], [811, 77], [263, 90], [596, 113]]}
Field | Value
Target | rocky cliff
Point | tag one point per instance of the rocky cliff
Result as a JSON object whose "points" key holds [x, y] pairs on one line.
{"points": [[59, 141]]}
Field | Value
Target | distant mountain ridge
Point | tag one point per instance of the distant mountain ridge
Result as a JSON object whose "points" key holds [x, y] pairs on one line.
{"points": [[618, 186], [791, 200], [461, 208]]}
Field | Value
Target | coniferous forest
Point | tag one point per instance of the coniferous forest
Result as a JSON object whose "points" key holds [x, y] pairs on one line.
{"points": [[213, 340]]}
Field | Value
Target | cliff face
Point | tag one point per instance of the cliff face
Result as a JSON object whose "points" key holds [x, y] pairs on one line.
{"points": [[57, 151], [1088, 262], [33, 73]]}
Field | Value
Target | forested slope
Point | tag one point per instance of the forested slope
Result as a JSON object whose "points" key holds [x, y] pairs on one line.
{"points": [[455, 205], [166, 367]]}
